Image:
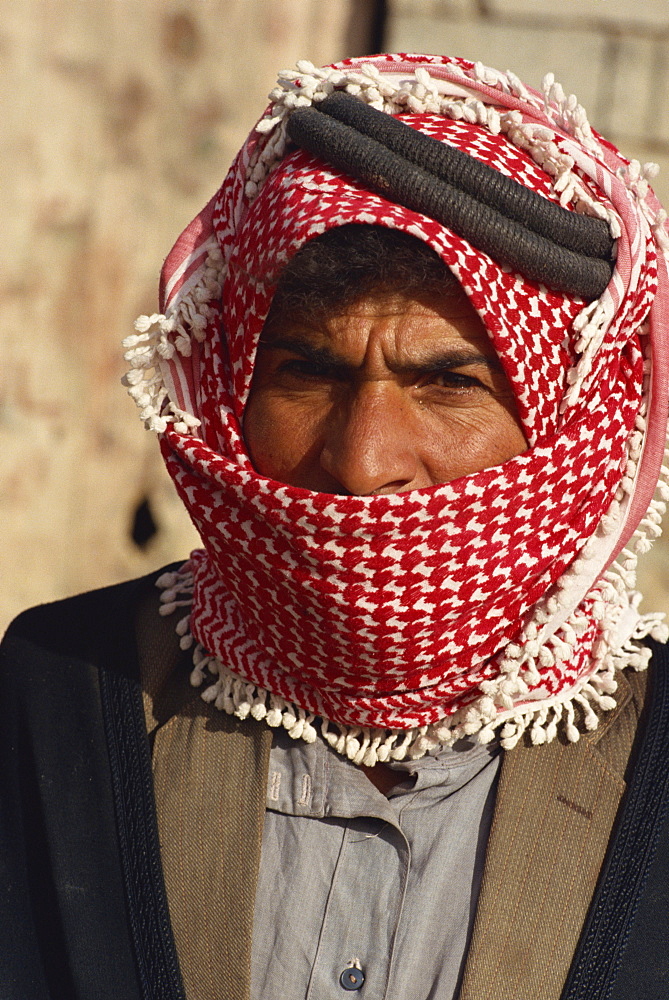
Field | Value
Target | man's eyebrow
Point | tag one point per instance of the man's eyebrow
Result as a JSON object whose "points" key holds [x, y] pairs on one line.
{"points": [[438, 359], [317, 355]]}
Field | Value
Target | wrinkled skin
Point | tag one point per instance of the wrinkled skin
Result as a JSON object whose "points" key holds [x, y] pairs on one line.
{"points": [[394, 394]]}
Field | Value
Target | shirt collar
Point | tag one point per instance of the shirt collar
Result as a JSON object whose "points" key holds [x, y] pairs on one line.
{"points": [[310, 779]]}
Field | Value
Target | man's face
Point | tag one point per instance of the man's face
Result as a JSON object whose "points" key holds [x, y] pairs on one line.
{"points": [[392, 394]]}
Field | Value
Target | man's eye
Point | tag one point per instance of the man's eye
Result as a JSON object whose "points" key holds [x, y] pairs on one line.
{"points": [[448, 380]]}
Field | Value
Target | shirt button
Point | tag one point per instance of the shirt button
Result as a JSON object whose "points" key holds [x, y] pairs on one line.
{"points": [[352, 979]]}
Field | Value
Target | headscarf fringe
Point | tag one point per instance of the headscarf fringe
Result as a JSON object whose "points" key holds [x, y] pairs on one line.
{"points": [[158, 337], [493, 714]]}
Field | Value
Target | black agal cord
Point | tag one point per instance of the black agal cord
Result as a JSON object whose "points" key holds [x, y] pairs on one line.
{"points": [[512, 224]]}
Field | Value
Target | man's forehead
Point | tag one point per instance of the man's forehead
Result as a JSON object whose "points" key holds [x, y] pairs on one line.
{"points": [[414, 328], [377, 302]]}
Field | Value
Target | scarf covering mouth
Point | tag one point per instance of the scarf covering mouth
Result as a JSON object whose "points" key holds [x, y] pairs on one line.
{"points": [[502, 601]]}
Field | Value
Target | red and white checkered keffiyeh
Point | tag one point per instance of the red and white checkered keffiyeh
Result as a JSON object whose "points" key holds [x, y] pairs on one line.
{"points": [[409, 620]]}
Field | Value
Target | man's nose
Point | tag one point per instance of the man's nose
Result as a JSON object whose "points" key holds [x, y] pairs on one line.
{"points": [[370, 444]]}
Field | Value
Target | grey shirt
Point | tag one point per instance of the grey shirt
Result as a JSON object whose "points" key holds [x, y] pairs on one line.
{"points": [[352, 880]]}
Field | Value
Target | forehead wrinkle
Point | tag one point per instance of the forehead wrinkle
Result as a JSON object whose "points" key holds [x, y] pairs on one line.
{"points": [[423, 362], [307, 349]]}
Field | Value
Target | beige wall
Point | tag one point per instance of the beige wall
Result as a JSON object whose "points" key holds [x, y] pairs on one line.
{"points": [[119, 120]]}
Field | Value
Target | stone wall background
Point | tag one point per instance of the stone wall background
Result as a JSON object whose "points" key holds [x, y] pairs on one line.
{"points": [[119, 120]]}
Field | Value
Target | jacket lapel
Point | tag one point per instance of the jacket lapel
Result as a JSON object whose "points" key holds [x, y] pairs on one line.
{"points": [[555, 808], [210, 785], [210, 777]]}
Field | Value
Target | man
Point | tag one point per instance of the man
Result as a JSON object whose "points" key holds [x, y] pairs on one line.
{"points": [[416, 408]]}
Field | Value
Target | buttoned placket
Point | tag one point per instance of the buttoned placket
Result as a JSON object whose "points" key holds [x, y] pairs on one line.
{"points": [[373, 864], [343, 880]]}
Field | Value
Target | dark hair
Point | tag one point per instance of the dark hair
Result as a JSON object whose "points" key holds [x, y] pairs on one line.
{"points": [[335, 270]]}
